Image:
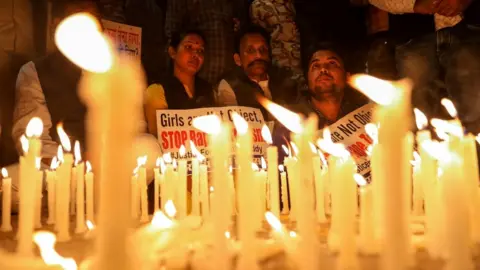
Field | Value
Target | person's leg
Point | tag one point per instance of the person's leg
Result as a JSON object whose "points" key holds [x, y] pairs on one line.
{"points": [[462, 74], [417, 59]]}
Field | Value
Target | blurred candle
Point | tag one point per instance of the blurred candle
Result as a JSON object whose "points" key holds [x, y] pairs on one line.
{"points": [[64, 173], [156, 186], [472, 179], [319, 177], [39, 195], [204, 200], [142, 182], [6, 202], [80, 190], [367, 228], [272, 160], [182, 184], [284, 190], [195, 179], [51, 175], [135, 195], [89, 192]]}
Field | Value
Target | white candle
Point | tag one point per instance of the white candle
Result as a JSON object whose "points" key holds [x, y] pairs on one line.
{"points": [[135, 196], [291, 165], [393, 115], [367, 226], [263, 191], [182, 185], [64, 174], [319, 176], [284, 190], [204, 191], [472, 178], [80, 226], [73, 189], [6, 202], [142, 184], [51, 175], [39, 195], [156, 188], [245, 182], [89, 192], [259, 207], [233, 193], [272, 160], [169, 184], [112, 93], [417, 192], [27, 187], [195, 209]]}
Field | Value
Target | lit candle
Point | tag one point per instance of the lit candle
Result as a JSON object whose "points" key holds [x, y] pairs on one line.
{"points": [[195, 180], [231, 184], [367, 226], [258, 189], [291, 165], [284, 190], [393, 114], [111, 89], [142, 183], [6, 202], [422, 173], [80, 226], [64, 173], [89, 192], [204, 200], [182, 185], [319, 177], [135, 195], [51, 175], [27, 186], [272, 159], [169, 184], [472, 178], [39, 195], [156, 186], [263, 188], [417, 187]]}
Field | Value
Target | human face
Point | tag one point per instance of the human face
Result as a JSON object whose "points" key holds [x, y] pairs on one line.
{"points": [[254, 56], [326, 75], [189, 54]]}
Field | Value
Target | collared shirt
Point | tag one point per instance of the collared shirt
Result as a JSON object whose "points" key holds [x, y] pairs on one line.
{"points": [[407, 6]]}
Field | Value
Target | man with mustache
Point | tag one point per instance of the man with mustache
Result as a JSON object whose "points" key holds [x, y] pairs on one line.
{"points": [[254, 74], [328, 95]]}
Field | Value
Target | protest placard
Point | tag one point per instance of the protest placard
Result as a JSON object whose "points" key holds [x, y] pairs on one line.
{"points": [[127, 38], [174, 129], [350, 131]]}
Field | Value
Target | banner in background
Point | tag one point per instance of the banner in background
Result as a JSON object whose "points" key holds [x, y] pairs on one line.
{"points": [[127, 38], [174, 129], [350, 131]]}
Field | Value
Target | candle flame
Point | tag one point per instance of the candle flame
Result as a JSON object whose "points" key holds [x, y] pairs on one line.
{"points": [[447, 127], [437, 150], [212, 189], [170, 209], [478, 138], [420, 119], [209, 124], [4, 173], [38, 162], [46, 242], [372, 131], [264, 163], [448, 104], [289, 119], [161, 221], [322, 158], [34, 128], [227, 235], [24, 142], [196, 153], [90, 225], [285, 149], [230, 169], [141, 161], [240, 124], [89, 166], [182, 151], [158, 162], [292, 234], [381, 91], [360, 180], [167, 157], [60, 153], [78, 153], [327, 145], [281, 168], [369, 150], [416, 160], [255, 167], [79, 38], [135, 171], [267, 135], [295, 148], [64, 138], [273, 221], [174, 163], [313, 148]]}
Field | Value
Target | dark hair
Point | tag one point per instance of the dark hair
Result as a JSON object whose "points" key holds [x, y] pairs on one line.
{"points": [[177, 37], [336, 48], [250, 30]]}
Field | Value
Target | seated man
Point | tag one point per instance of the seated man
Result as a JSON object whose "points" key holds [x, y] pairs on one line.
{"points": [[255, 74], [328, 95], [47, 88]]}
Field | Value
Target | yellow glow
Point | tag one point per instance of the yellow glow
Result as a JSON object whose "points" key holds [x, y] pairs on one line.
{"points": [[90, 225], [227, 235], [381, 91], [212, 189], [267, 135], [240, 124], [372, 131], [64, 138], [38, 162], [281, 168], [294, 147], [230, 169], [24, 142], [436, 149], [292, 234], [273, 221], [78, 153], [448, 104], [170, 209], [289, 119], [4, 173], [313, 147], [447, 127], [264, 164], [327, 145], [46, 242], [255, 167], [182, 151], [285, 149], [161, 221], [89, 166], [34, 127], [141, 161], [209, 124], [420, 119], [79, 38], [167, 157], [360, 180]]}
